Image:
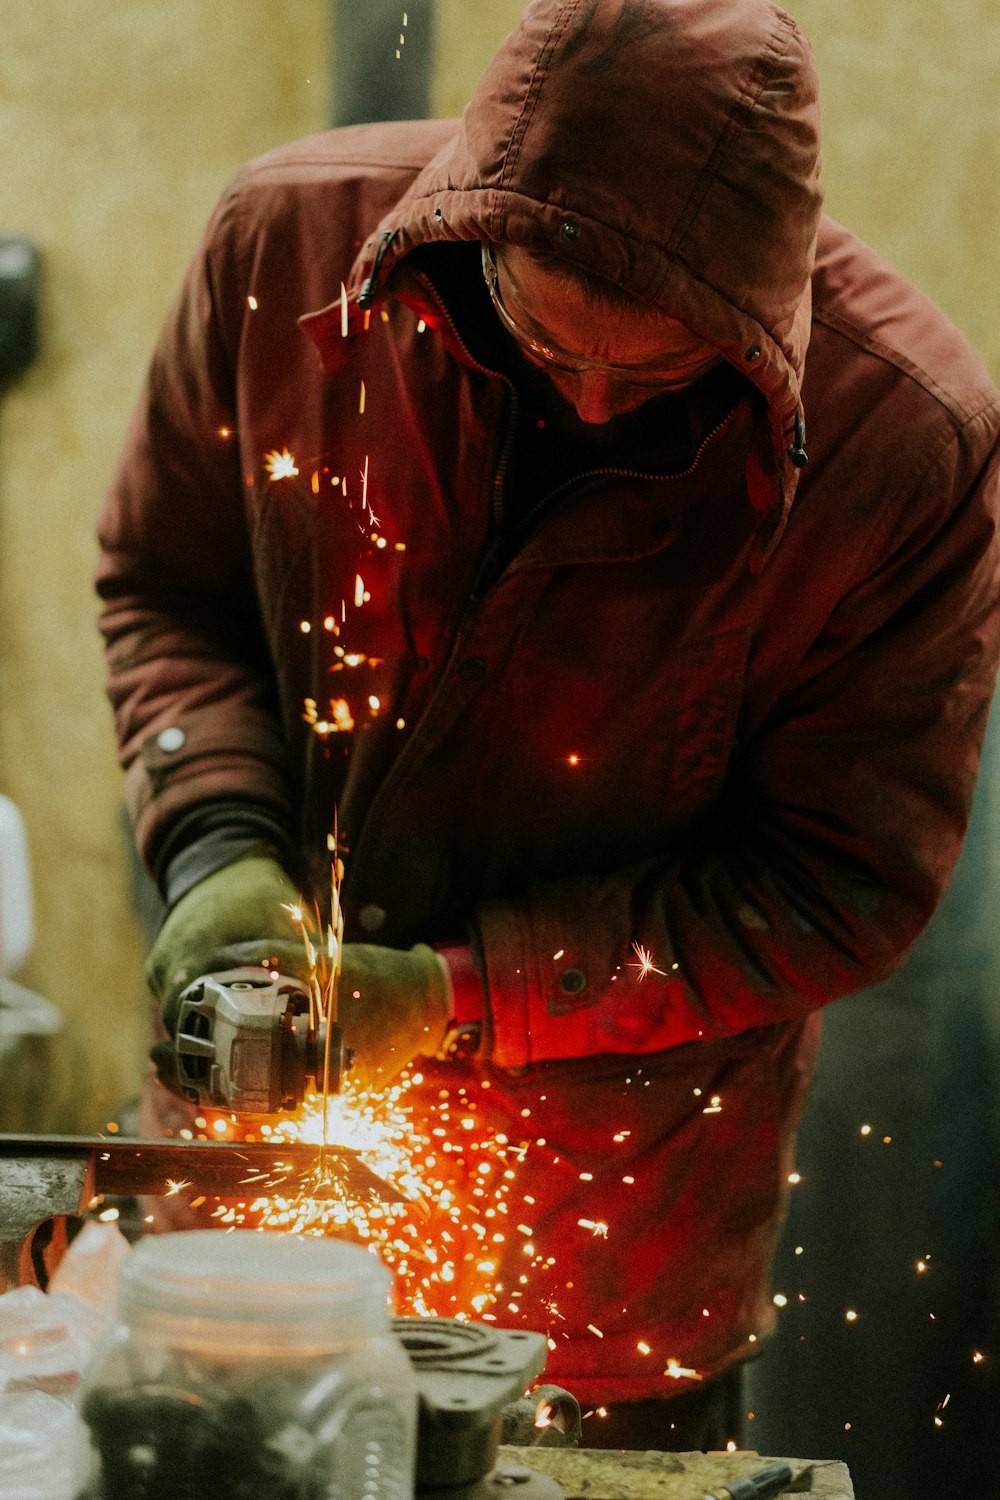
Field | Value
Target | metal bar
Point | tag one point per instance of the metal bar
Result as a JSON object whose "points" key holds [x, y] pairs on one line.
{"points": [[45, 1177], [127, 1165]]}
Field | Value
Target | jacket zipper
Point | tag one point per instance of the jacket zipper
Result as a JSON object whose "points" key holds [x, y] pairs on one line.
{"points": [[608, 473], [461, 627], [483, 579]]}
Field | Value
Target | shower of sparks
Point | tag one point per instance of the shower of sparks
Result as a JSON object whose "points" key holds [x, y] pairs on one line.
{"points": [[455, 1197], [645, 965], [280, 465], [175, 1187], [461, 1239]]}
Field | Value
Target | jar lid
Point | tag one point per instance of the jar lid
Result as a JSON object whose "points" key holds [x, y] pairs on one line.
{"points": [[248, 1292]]}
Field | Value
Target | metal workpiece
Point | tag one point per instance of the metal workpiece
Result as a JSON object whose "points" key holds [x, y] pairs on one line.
{"points": [[35, 1188], [470, 1380], [49, 1177]]}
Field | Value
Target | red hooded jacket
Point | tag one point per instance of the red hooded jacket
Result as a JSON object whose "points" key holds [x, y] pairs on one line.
{"points": [[728, 714]]}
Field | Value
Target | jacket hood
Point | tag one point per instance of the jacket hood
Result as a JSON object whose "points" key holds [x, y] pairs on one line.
{"points": [[671, 146]]}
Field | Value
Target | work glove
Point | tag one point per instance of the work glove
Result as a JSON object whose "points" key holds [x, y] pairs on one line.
{"points": [[394, 1005], [235, 917]]}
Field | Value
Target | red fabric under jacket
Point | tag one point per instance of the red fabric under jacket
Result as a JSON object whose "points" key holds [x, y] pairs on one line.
{"points": [[730, 714]]}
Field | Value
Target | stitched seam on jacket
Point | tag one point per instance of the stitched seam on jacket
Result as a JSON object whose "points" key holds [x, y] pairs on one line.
{"points": [[851, 330], [870, 550], [732, 129], [229, 238], [531, 96]]}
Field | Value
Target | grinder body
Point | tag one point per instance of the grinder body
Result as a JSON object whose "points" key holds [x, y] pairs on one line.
{"points": [[244, 1041]]}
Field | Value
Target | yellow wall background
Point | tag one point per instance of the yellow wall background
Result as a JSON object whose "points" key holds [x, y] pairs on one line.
{"points": [[122, 123]]}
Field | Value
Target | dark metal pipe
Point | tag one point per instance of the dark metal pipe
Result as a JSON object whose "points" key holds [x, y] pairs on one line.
{"points": [[381, 66]]}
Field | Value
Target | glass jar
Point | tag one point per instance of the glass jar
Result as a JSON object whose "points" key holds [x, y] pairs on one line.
{"points": [[251, 1364]]}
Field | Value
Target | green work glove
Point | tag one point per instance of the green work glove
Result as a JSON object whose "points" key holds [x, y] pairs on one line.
{"points": [[236, 916], [393, 1006]]}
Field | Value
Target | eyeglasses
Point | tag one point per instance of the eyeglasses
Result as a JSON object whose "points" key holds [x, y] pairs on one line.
{"points": [[653, 375]]}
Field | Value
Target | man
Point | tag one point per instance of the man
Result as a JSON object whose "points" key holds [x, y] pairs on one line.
{"points": [[647, 737]]}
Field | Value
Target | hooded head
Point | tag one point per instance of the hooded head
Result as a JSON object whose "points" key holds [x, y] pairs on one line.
{"points": [[671, 147]]}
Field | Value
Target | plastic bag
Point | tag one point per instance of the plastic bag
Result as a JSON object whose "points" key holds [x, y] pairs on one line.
{"points": [[90, 1267], [46, 1342], [43, 1447]]}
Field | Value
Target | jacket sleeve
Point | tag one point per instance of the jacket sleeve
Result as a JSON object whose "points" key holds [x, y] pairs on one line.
{"points": [[841, 821], [189, 674]]}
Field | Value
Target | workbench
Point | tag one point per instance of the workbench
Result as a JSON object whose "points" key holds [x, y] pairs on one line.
{"points": [[609, 1474]]}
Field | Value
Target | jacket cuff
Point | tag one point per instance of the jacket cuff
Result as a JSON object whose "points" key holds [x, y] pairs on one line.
{"points": [[214, 835], [468, 993]]}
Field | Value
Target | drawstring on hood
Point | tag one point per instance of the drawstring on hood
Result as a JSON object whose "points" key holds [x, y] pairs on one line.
{"points": [[672, 147], [366, 296]]}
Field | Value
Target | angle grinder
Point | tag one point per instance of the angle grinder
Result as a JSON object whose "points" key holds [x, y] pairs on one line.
{"points": [[245, 1041]]}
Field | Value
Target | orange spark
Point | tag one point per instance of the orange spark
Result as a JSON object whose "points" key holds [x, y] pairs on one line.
{"points": [[645, 965], [280, 465], [373, 518], [597, 1227]]}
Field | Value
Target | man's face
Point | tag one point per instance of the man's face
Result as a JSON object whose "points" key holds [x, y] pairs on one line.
{"points": [[555, 311]]}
